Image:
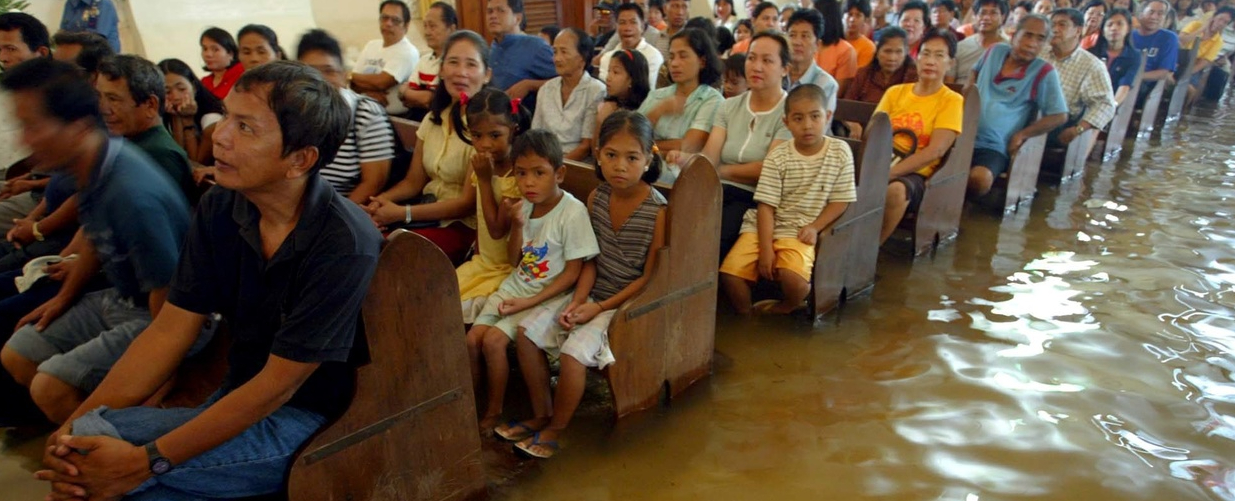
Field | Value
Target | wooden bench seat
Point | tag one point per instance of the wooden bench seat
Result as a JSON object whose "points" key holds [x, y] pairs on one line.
{"points": [[664, 337], [1111, 140], [1179, 91], [1060, 165], [1019, 184], [410, 430], [847, 252]]}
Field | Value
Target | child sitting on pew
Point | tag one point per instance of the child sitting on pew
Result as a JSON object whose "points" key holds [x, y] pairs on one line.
{"points": [[494, 120], [626, 85], [803, 188], [550, 238], [628, 216]]}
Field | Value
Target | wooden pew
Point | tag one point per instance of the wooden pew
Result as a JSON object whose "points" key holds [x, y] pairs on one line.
{"points": [[846, 253], [1020, 183], [664, 337], [1147, 117], [1110, 140], [1179, 92], [405, 136], [1060, 165], [410, 432]]}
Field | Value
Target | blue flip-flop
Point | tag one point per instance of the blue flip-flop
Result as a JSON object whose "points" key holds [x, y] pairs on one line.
{"points": [[515, 431], [526, 449]]}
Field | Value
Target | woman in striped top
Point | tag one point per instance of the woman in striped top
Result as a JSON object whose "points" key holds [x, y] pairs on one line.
{"points": [[628, 216]]}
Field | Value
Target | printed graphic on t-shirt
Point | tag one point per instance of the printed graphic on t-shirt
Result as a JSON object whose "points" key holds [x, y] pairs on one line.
{"points": [[373, 66], [534, 266], [1151, 52], [911, 121]]}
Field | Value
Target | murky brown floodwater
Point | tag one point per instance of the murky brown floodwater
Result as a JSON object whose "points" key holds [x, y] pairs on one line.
{"points": [[1083, 349]]}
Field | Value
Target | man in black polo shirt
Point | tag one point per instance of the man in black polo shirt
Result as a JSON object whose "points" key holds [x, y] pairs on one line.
{"points": [[287, 261]]}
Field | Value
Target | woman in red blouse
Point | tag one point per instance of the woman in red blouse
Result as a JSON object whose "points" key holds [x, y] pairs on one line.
{"points": [[219, 52], [891, 66]]}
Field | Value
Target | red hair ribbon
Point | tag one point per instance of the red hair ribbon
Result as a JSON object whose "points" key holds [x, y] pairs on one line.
{"points": [[514, 106], [463, 98]]}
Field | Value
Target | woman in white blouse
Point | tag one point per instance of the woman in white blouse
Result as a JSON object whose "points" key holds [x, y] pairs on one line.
{"points": [[571, 98]]}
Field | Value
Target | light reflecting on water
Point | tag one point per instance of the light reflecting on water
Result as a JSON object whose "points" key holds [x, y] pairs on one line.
{"points": [[1084, 349]]}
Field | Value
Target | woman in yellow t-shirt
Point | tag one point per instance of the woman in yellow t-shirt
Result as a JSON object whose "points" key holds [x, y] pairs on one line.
{"points": [[926, 118]]}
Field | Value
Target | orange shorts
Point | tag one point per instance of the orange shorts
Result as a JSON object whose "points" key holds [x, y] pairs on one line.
{"points": [[791, 254]]}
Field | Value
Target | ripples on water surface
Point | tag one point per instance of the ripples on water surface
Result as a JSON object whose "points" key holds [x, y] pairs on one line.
{"points": [[1081, 350]]}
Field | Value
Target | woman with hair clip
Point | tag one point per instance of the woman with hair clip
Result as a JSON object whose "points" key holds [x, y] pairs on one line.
{"points": [[221, 56], [436, 199], [571, 98], [190, 112]]}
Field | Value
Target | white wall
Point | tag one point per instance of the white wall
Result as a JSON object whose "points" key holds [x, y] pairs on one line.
{"points": [[159, 29]]}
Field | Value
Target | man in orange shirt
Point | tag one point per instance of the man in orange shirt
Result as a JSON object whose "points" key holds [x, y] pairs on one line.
{"points": [[857, 22]]}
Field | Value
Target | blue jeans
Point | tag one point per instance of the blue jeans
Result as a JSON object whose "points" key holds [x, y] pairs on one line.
{"points": [[253, 463]]}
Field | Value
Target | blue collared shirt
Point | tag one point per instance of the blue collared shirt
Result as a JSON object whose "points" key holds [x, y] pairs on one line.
{"points": [[520, 57], [98, 16]]}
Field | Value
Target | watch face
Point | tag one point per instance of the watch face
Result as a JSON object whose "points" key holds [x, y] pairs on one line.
{"points": [[160, 466]]}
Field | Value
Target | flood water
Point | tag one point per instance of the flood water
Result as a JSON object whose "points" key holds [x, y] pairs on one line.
{"points": [[1082, 348]]}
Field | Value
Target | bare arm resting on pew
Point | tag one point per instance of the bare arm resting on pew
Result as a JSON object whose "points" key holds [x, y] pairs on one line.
{"points": [[580, 311], [941, 142], [1041, 126], [830, 213]]}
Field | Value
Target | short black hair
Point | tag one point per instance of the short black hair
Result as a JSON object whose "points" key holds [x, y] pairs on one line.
{"points": [[33, 32], [1094, 3], [540, 143], [311, 112], [1226, 9], [635, 124], [764, 6], [811, 17], [142, 77], [94, 48], [736, 65], [65, 91], [744, 22], [319, 40], [1074, 15], [945, 34], [407, 13], [631, 7], [863, 6], [724, 40], [1001, 4], [224, 39], [516, 7], [785, 51], [703, 23], [703, 47], [812, 92], [945, 4], [449, 15], [551, 31], [917, 5], [266, 33]]}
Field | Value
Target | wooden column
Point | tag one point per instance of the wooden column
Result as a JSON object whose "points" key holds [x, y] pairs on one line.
{"points": [[472, 16]]}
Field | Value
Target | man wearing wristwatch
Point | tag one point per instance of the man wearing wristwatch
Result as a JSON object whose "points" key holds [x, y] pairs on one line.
{"points": [[1086, 83], [287, 261]]}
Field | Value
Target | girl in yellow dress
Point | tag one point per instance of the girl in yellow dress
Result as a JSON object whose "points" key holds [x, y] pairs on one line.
{"points": [[493, 119]]}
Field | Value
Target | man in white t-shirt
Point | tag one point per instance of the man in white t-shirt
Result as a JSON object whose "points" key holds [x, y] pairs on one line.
{"points": [[630, 33], [386, 64]]}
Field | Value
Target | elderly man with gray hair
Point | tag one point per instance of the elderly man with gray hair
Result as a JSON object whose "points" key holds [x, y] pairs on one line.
{"points": [[1015, 84]]}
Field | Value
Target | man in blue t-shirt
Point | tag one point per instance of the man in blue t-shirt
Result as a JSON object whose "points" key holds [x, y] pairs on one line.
{"points": [[1014, 84], [1161, 47], [98, 16], [521, 63]]}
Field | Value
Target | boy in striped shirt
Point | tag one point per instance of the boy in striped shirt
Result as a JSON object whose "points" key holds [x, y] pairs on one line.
{"points": [[804, 187]]}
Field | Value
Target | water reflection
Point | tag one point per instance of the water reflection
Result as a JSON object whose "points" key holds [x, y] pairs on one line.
{"points": [[1080, 348]]}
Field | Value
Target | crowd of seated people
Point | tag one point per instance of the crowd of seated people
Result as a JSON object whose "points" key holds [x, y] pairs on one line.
{"points": [[116, 150]]}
